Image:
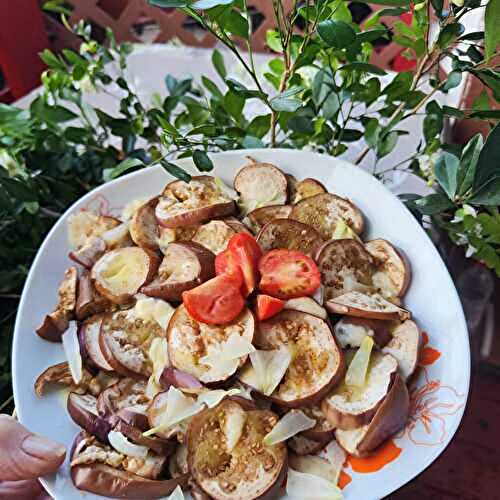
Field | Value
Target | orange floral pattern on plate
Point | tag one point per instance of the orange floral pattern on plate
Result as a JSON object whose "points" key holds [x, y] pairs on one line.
{"points": [[384, 455]]}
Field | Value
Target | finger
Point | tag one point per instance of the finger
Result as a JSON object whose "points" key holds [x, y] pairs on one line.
{"points": [[30, 489], [24, 455]]}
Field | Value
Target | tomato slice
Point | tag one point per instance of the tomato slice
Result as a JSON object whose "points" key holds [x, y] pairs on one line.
{"points": [[287, 274], [217, 301], [268, 306], [225, 263], [246, 253]]}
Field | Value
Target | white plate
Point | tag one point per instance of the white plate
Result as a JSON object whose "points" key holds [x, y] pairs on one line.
{"points": [[438, 397]]}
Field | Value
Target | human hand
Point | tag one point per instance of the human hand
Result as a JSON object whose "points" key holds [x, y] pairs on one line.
{"points": [[24, 457]]}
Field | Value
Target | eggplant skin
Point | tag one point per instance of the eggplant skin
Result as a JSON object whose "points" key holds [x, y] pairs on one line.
{"points": [[113, 483]]}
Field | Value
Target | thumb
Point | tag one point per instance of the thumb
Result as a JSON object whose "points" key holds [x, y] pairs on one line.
{"points": [[24, 455]]}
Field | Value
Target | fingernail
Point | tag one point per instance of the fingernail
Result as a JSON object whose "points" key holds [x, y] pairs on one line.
{"points": [[40, 446]]}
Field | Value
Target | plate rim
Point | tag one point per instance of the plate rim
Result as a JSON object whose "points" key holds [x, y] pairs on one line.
{"points": [[188, 164]]}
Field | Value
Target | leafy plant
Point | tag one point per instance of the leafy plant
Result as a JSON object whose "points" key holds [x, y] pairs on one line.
{"points": [[319, 90], [467, 198]]}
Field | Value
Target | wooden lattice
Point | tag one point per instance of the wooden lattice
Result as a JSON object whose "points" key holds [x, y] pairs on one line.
{"points": [[124, 16]]}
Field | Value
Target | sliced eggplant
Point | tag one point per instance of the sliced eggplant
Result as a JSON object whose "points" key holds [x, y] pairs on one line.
{"points": [[237, 225], [234, 468], [185, 266], [214, 235], [184, 204], [307, 305], [260, 185], [261, 216], [323, 430], [345, 266], [289, 234], [119, 274], [144, 226], [60, 374], [83, 410], [405, 346], [392, 276], [125, 340], [190, 340], [85, 224], [350, 331], [126, 399], [57, 322], [390, 418], [302, 445], [88, 334], [89, 301], [366, 306], [164, 447], [349, 407], [179, 379], [307, 188], [98, 468], [89, 253], [317, 362], [324, 211]]}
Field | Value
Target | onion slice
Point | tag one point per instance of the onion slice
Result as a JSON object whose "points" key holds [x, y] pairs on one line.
{"points": [[267, 369], [301, 485], [292, 423], [71, 347], [213, 398], [177, 494], [122, 445], [179, 408], [356, 373]]}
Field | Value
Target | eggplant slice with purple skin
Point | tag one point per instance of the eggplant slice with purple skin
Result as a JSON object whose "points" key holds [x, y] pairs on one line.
{"points": [[99, 469]]}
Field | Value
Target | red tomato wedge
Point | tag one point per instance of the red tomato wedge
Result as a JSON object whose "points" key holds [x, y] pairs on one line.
{"points": [[225, 263], [244, 252], [217, 301], [268, 306], [287, 274]]}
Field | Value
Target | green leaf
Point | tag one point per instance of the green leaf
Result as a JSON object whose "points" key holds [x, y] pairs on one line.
{"points": [[386, 144], [399, 86], [491, 28], [301, 124], [208, 4], [433, 121], [234, 104], [446, 171], [451, 111], [218, 62], [491, 79], [488, 164], [121, 168], [340, 11], [487, 114], [239, 89], [489, 194], [284, 101], [468, 163], [169, 3], [175, 170], [259, 126], [233, 22], [250, 142], [202, 161], [51, 60], [372, 132], [337, 34], [453, 80], [350, 135], [364, 67], [212, 87], [449, 34], [273, 41], [371, 35], [58, 114], [433, 204], [481, 102], [331, 106]]}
